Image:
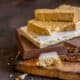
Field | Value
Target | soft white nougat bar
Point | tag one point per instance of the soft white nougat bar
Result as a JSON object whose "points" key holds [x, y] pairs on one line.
{"points": [[48, 59], [47, 28], [58, 14], [45, 41]]}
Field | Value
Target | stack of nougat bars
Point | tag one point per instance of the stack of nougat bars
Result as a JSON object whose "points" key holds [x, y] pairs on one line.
{"points": [[51, 26]]}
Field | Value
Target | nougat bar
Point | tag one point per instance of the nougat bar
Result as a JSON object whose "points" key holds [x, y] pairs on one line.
{"points": [[45, 41], [53, 15], [58, 14], [48, 28]]}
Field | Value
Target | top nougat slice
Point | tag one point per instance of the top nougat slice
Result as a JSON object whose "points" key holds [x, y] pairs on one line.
{"points": [[75, 9], [58, 14]]}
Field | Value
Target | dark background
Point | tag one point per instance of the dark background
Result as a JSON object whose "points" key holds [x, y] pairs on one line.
{"points": [[13, 14]]}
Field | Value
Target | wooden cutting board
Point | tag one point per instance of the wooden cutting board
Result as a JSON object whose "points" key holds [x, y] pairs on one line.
{"points": [[66, 71]]}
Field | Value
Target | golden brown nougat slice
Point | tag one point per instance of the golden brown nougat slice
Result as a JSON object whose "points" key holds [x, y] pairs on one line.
{"points": [[45, 41], [54, 15], [62, 13], [47, 28], [76, 10]]}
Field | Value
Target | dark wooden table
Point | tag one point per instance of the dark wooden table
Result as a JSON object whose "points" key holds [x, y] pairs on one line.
{"points": [[14, 14]]}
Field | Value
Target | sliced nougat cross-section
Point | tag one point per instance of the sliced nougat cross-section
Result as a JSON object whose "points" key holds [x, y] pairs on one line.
{"points": [[47, 28], [75, 9], [54, 14], [45, 41], [62, 13]]}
